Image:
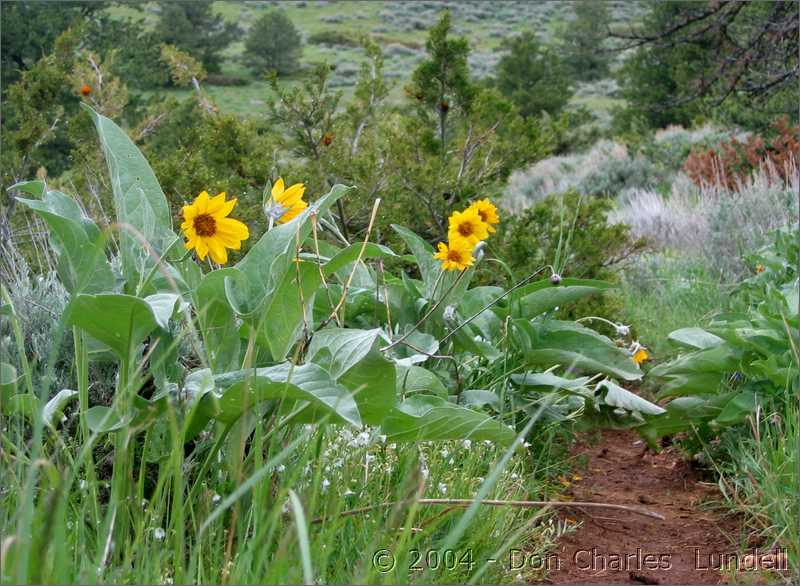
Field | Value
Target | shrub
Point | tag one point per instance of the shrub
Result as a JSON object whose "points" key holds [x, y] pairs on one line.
{"points": [[533, 77], [222, 79], [618, 175], [273, 44], [334, 37], [731, 162], [573, 234], [712, 223]]}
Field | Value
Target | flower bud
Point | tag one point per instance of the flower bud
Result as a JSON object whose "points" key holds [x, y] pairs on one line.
{"points": [[555, 279]]}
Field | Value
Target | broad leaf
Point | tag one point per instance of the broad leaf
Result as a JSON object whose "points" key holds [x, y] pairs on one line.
{"points": [[266, 263], [429, 267], [120, 321], [55, 406], [576, 347], [415, 379], [218, 321], [141, 208], [242, 390], [542, 296], [614, 395], [696, 338], [353, 359], [285, 311], [430, 418], [82, 264]]}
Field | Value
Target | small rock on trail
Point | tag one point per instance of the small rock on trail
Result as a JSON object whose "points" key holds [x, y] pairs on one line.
{"points": [[618, 547]]}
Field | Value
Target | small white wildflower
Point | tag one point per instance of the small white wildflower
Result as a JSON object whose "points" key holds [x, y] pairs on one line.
{"points": [[526, 444], [348, 492], [369, 458], [83, 484], [467, 444], [382, 437], [445, 452], [216, 498], [451, 461], [514, 476], [280, 468], [159, 534], [325, 484], [480, 479], [442, 488], [623, 330], [392, 446]]}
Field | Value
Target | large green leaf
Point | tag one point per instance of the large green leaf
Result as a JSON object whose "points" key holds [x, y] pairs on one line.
{"points": [[429, 267], [547, 381], [285, 310], [218, 321], [426, 418], [353, 359], [576, 347], [242, 390], [542, 296], [142, 210], [264, 266], [696, 372], [119, 321], [352, 252], [82, 264], [614, 395], [682, 414], [8, 381], [696, 338], [415, 379], [51, 412]]}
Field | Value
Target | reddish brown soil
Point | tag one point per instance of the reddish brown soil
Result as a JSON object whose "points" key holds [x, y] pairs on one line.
{"points": [[632, 549]]}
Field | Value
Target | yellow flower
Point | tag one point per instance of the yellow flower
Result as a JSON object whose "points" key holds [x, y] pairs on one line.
{"points": [[640, 356], [209, 230], [455, 257], [286, 204], [487, 211], [467, 225], [760, 268]]}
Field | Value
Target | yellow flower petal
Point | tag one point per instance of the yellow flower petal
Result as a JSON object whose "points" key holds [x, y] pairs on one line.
{"points": [[201, 203], [218, 253], [215, 204], [277, 189], [292, 195]]}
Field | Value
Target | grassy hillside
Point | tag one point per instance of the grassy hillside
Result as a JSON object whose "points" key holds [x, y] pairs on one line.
{"points": [[400, 28]]}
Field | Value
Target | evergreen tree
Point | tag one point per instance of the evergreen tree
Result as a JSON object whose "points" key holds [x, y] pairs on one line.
{"points": [[533, 76], [195, 28], [273, 44], [582, 41]]}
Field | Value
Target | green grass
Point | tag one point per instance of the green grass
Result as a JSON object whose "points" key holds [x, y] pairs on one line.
{"points": [[259, 501], [663, 292]]}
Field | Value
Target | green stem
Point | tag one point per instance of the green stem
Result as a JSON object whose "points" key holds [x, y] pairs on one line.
{"points": [[120, 476]]}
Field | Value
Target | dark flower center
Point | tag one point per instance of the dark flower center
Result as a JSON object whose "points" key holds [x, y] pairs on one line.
{"points": [[205, 225], [465, 229], [454, 255]]}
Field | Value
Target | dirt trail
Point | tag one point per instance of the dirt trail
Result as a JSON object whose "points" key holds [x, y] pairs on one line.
{"points": [[631, 549]]}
